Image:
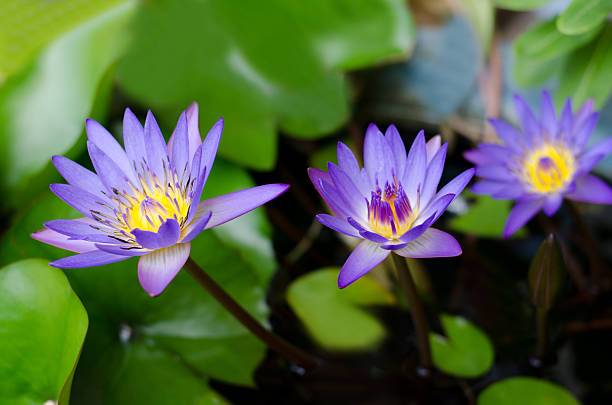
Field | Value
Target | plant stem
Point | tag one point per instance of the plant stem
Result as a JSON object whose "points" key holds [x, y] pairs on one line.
{"points": [[599, 270], [272, 340], [416, 310], [542, 330]]}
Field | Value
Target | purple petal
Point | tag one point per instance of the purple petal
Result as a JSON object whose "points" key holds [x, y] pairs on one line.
{"points": [[592, 156], [82, 201], [347, 190], [199, 187], [522, 212], [376, 155], [583, 113], [479, 157], [456, 185], [432, 147], [209, 148], [374, 237], [88, 259], [528, 122], [552, 204], [566, 121], [433, 243], [122, 249], [416, 165], [436, 207], [167, 235], [229, 206], [583, 131], [592, 190], [495, 172], [196, 226], [82, 228], [100, 137], [109, 173], [62, 241], [179, 150], [509, 191], [337, 202], [316, 176], [155, 145], [418, 230], [79, 176], [337, 224], [158, 268], [394, 246], [133, 138], [509, 135], [348, 163], [355, 224], [548, 115], [193, 131], [364, 258], [487, 187], [433, 175], [397, 147]]}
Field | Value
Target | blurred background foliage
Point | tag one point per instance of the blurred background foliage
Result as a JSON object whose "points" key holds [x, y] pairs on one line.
{"points": [[281, 72]]}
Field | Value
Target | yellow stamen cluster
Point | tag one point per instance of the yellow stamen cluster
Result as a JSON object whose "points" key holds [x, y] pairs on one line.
{"points": [[549, 168]]}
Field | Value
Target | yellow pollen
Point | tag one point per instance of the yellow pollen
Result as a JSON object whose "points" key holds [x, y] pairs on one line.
{"points": [[549, 168]]}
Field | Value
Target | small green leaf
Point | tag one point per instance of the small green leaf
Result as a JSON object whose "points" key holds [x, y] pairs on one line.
{"points": [[465, 351], [42, 328], [525, 391], [587, 73], [334, 317], [485, 217], [545, 41], [530, 72], [583, 15], [481, 14], [520, 4], [546, 274]]}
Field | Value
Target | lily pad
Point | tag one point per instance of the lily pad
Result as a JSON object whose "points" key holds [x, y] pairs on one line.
{"points": [[42, 328], [336, 319], [465, 351], [525, 391], [485, 217]]}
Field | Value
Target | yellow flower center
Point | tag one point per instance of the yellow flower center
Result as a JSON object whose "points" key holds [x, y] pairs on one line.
{"points": [[549, 168], [390, 213]]}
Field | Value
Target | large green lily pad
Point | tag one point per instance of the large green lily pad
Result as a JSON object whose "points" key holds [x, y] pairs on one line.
{"points": [[525, 391]]}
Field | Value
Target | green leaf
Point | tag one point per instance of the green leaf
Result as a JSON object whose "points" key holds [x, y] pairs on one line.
{"points": [[583, 15], [259, 65], [485, 217], [481, 14], [42, 328], [26, 26], [531, 72], [544, 41], [465, 351], [520, 4], [335, 318], [184, 322], [43, 108], [546, 273], [588, 74], [525, 391]]}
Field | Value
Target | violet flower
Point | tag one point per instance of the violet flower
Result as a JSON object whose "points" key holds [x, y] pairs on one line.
{"points": [[144, 200], [391, 203], [544, 162]]}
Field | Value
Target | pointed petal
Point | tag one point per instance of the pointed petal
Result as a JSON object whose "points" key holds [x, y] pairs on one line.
{"points": [[229, 206], [548, 115], [193, 131], [418, 230], [584, 130], [88, 259], [82, 201], [109, 173], [456, 185], [56, 239], [196, 227], [552, 204], [158, 268], [209, 148], [432, 147], [397, 147], [133, 138], [79, 176], [433, 175], [592, 190], [364, 258], [336, 201], [316, 176], [528, 122], [509, 135], [566, 121], [83, 228], [433, 243], [376, 154], [337, 224], [100, 137], [122, 249], [416, 165], [436, 208], [347, 190], [495, 172], [155, 145], [522, 212], [179, 151], [167, 235], [348, 163]]}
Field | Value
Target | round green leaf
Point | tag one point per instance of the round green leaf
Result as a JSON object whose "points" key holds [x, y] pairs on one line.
{"points": [[525, 391], [583, 15], [42, 328], [335, 318], [465, 351]]}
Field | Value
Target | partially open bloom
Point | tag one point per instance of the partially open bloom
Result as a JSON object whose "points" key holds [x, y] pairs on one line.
{"points": [[144, 200], [390, 203], [544, 162]]}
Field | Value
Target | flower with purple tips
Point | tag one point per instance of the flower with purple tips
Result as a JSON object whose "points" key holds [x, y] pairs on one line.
{"points": [[391, 203], [544, 162], [144, 200]]}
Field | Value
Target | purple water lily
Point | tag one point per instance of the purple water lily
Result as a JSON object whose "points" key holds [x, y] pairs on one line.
{"points": [[144, 200], [543, 163], [391, 203]]}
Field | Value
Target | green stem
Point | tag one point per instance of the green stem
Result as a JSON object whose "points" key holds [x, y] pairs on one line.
{"points": [[272, 340], [416, 310]]}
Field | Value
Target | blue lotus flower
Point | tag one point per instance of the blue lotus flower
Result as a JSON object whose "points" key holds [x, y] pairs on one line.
{"points": [[391, 203], [144, 200], [546, 161]]}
